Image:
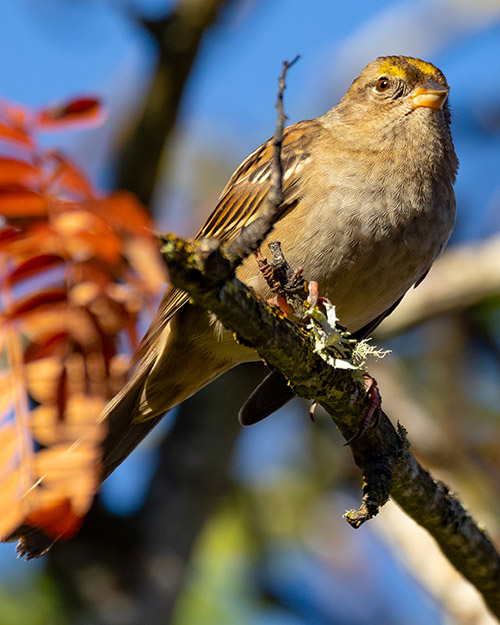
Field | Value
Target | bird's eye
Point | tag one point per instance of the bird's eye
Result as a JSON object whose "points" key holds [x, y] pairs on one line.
{"points": [[382, 84]]}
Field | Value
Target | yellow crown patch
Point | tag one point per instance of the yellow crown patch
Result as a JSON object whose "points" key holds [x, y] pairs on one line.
{"points": [[400, 66]]}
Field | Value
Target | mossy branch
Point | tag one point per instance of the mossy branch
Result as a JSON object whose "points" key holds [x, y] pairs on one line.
{"points": [[204, 270]]}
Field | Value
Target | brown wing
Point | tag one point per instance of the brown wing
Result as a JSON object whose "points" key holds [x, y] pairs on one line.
{"points": [[244, 194], [240, 203]]}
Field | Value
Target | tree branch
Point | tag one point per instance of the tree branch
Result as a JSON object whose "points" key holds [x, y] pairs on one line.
{"points": [[382, 454]]}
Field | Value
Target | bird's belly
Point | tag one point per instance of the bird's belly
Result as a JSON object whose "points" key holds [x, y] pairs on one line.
{"points": [[367, 286], [368, 259], [371, 260]]}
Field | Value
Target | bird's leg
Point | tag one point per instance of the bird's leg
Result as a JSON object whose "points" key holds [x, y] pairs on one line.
{"points": [[278, 301], [314, 298], [373, 410]]}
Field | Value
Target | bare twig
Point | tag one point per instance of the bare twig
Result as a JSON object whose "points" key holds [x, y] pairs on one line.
{"points": [[287, 284], [250, 238]]}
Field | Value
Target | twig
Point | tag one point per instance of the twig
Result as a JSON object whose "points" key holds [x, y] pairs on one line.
{"points": [[221, 260], [289, 286], [251, 237]]}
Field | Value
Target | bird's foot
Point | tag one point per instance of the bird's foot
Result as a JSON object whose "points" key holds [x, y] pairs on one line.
{"points": [[278, 301], [373, 410], [314, 298], [312, 411]]}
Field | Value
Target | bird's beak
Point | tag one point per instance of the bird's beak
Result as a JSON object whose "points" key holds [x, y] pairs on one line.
{"points": [[429, 94]]}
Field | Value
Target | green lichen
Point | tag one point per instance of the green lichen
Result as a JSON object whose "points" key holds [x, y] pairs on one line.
{"points": [[334, 344]]}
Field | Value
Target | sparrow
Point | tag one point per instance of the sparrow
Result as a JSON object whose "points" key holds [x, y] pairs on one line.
{"points": [[368, 206]]}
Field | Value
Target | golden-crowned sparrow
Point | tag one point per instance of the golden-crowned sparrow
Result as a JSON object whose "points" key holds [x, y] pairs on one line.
{"points": [[368, 205]]}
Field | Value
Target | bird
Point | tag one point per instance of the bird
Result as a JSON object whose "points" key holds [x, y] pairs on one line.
{"points": [[368, 205]]}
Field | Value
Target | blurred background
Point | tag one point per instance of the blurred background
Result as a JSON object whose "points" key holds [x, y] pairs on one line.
{"points": [[206, 523]]}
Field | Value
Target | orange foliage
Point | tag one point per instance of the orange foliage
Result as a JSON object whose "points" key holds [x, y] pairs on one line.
{"points": [[81, 110], [76, 267]]}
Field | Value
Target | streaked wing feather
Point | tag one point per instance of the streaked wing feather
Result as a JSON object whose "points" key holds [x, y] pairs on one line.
{"points": [[239, 204], [242, 198]]}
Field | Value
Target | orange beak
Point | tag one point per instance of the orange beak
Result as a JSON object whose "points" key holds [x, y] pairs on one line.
{"points": [[429, 94]]}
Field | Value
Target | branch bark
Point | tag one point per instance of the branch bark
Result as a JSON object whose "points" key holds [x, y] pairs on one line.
{"points": [[382, 454]]}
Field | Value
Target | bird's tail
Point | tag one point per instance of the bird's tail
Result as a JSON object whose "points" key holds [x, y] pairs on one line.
{"points": [[124, 433], [154, 388], [172, 368]]}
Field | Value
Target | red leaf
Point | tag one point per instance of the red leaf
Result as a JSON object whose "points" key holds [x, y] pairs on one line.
{"points": [[8, 234], [125, 211], [14, 171], [93, 270], [34, 265], [62, 395], [45, 347], [87, 110], [57, 520], [15, 133], [15, 114], [68, 176], [42, 298], [17, 201], [31, 239]]}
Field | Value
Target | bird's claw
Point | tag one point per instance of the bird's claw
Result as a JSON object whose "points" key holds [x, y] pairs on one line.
{"points": [[312, 411], [373, 411], [314, 298]]}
